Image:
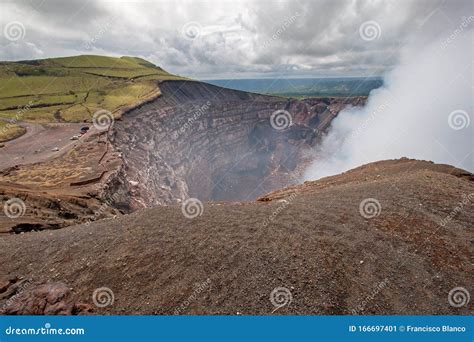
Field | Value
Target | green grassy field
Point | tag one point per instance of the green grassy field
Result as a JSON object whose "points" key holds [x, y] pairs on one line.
{"points": [[72, 89], [9, 131]]}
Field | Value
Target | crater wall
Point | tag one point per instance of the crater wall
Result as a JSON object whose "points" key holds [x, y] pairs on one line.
{"points": [[212, 143]]}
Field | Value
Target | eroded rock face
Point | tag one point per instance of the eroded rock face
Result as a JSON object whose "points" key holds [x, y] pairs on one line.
{"points": [[76, 187], [199, 140], [22, 297]]}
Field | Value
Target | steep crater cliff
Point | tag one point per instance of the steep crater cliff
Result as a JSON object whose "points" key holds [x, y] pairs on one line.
{"points": [[212, 143]]}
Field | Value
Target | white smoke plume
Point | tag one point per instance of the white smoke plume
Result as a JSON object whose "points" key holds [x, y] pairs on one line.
{"points": [[424, 109]]}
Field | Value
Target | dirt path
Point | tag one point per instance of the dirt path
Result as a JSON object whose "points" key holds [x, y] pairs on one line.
{"points": [[37, 144]]}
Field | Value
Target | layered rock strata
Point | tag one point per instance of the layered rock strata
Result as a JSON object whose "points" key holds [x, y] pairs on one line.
{"points": [[212, 143]]}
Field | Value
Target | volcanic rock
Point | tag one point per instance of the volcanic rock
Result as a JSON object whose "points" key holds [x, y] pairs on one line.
{"points": [[414, 238], [45, 299]]}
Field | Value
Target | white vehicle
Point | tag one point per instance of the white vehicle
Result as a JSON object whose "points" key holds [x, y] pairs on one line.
{"points": [[55, 149]]}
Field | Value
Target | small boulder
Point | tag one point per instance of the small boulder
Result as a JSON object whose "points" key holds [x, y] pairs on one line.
{"points": [[45, 299]]}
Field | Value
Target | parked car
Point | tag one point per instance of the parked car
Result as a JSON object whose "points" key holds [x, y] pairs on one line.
{"points": [[55, 149]]}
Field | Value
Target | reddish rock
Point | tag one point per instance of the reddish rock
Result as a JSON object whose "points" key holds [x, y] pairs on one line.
{"points": [[5, 283], [45, 299]]}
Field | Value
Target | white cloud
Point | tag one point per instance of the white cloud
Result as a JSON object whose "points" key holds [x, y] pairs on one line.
{"points": [[237, 38], [423, 111]]}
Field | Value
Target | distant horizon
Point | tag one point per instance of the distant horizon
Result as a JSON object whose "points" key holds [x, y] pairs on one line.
{"points": [[288, 78], [303, 86], [199, 79]]}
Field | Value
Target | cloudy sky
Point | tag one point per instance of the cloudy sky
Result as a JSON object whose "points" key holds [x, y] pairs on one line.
{"points": [[222, 39]]}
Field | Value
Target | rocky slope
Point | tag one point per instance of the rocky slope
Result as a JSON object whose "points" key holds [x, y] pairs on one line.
{"points": [[69, 189], [392, 237]]}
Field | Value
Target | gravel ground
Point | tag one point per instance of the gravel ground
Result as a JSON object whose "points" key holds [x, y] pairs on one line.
{"points": [[303, 250]]}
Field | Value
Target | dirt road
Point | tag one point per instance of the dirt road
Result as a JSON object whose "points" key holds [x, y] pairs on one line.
{"points": [[37, 144]]}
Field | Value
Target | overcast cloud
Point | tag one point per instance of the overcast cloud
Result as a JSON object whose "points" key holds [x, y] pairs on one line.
{"points": [[222, 39]]}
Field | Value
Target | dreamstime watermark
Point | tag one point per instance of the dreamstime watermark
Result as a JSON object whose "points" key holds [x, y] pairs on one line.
{"points": [[191, 30], [103, 120], [18, 116], [107, 204], [362, 305], [102, 297], [466, 21], [370, 30], [197, 291], [192, 207], [281, 119], [46, 330], [282, 28], [459, 208], [14, 31], [373, 115], [103, 29], [280, 297], [370, 208], [25, 285], [459, 119], [23, 110], [458, 297], [284, 204], [195, 116], [14, 208]]}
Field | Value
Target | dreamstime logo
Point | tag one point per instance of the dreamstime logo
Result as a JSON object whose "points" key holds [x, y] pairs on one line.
{"points": [[14, 208], [99, 34], [280, 297], [459, 208], [103, 120], [370, 207], [466, 21], [196, 115], [286, 24], [281, 119], [19, 114], [102, 297], [191, 30], [458, 119], [192, 208], [379, 287], [379, 111], [199, 288], [24, 285], [14, 31], [370, 30], [284, 203], [106, 205], [458, 297]]}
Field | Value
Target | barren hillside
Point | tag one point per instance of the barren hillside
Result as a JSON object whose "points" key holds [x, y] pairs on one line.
{"points": [[392, 237]]}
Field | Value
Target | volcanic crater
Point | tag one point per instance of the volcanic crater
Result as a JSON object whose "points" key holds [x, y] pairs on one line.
{"points": [[192, 140], [212, 143], [256, 230]]}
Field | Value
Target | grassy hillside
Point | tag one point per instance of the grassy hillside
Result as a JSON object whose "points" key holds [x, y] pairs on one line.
{"points": [[71, 89], [9, 131]]}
